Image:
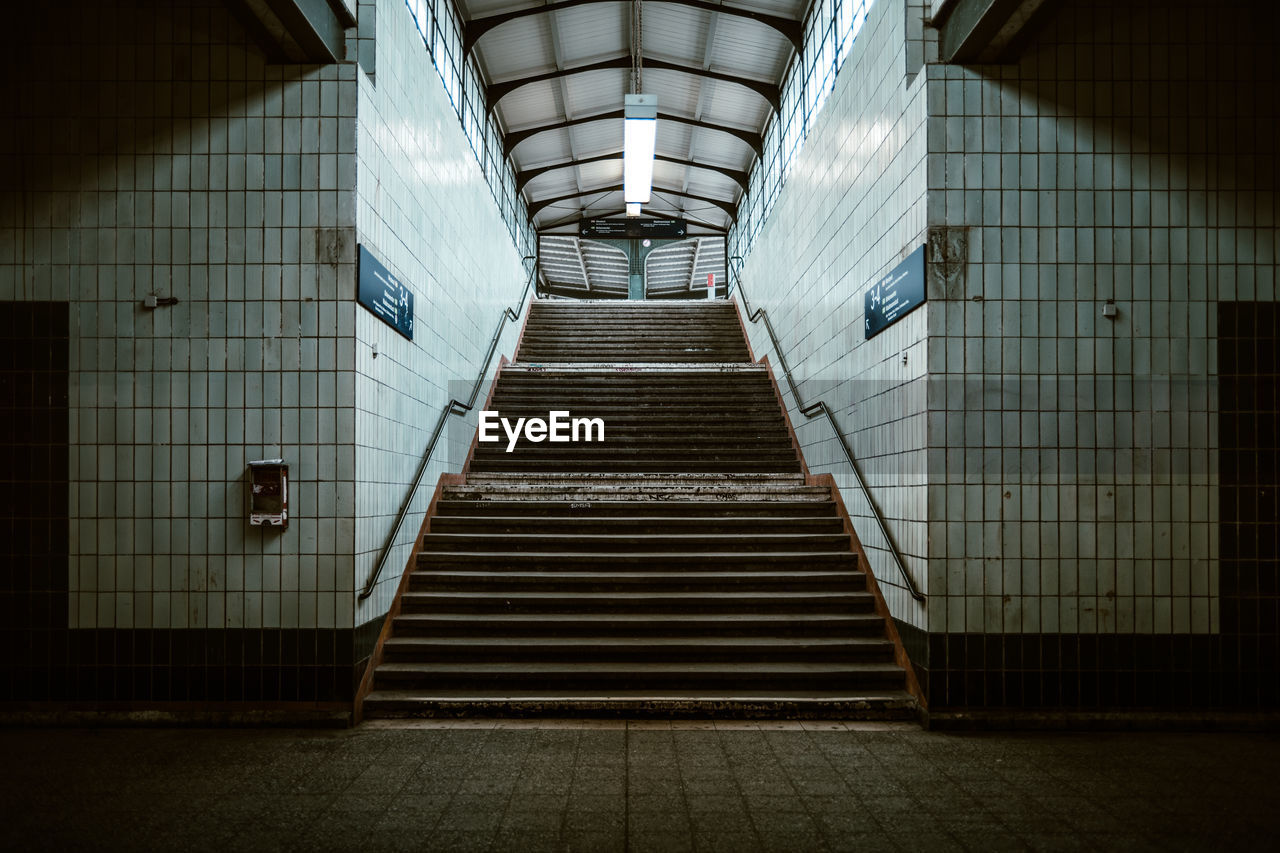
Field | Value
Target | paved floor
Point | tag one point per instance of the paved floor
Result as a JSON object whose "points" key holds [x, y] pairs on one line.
{"points": [[643, 786]]}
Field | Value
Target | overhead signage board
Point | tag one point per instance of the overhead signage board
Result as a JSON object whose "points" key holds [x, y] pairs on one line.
{"points": [[384, 294], [622, 229], [896, 295]]}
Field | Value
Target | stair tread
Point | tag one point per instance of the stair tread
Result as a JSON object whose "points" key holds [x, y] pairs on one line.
{"points": [[525, 668], [635, 555], [718, 595], [639, 641], [745, 521], [498, 693], [644, 618], [643, 537], [793, 575]]}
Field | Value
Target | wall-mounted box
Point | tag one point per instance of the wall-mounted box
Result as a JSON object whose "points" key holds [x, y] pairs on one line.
{"points": [[269, 493]]}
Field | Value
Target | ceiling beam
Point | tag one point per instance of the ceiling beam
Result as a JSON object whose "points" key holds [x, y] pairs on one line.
{"points": [[647, 211], [472, 30], [524, 176], [536, 207], [557, 54], [297, 31], [985, 31], [728, 207], [495, 92], [708, 47], [515, 137]]}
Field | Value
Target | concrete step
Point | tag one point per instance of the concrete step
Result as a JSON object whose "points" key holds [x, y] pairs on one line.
{"points": [[625, 452], [732, 513], [669, 420], [621, 446], [630, 332], [721, 544], [587, 355], [635, 370], [608, 648], [662, 480], [623, 495], [613, 376], [414, 601], [655, 466], [868, 675], [623, 435], [492, 525], [712, 701], [642, 581], [687, 559], [642, 399], [795, 623]]}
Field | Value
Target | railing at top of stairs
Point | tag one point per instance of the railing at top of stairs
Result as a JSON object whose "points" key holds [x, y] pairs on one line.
{"points": [[813, 410], [453, 407]]}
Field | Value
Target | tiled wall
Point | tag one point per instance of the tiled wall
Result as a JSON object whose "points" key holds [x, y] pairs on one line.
{"points": [[852, 208], [1073, 515], [1121, 161], [425, 210], [149, 149]]}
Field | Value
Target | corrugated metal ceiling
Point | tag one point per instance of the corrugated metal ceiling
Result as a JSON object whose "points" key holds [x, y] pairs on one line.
{"points": [[700, 35], [590, 269]]}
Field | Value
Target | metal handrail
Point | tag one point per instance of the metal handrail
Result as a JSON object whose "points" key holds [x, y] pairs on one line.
{"points": [[812, 410], [453, 407]]}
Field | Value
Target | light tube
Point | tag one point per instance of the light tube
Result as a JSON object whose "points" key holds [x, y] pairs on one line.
{"points": [[640, 134]]}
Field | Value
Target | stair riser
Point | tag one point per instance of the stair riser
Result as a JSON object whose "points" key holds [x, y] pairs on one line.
{"points": [[613, 447], [552, 465], [570, 586], [588, 654], [673, 681], [497, 526], [601, 511], [586, 405], [654, 561], [613, 381], [566, 625], [628, 498], [502, 545], [567, 604], [589, 356]]}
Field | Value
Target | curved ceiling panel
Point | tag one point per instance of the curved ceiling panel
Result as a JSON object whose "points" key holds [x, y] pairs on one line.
{"points": [[551, 67]]}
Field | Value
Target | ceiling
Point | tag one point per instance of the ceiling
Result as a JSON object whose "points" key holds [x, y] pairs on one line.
{"points": [[565, 65], [591, 269]]}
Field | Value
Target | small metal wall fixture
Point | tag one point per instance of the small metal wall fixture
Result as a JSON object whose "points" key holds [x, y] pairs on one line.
{"points": [[269, 493]]}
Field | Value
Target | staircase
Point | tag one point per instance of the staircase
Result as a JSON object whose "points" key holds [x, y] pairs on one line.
{"points": [[684, 565]]}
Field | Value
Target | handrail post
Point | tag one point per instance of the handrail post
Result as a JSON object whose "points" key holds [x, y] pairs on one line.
{"points": [[453, 407], [820, 407]]}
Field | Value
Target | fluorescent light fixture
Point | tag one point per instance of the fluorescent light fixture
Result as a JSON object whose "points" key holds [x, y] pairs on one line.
{"points": [[640, 126], [633, 208]]}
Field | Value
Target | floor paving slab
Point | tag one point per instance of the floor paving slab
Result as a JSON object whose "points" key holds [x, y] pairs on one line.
{"points": [[635, 785]]}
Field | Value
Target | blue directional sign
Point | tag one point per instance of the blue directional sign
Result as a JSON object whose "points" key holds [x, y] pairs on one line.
{"points": [[897, 294], [384, 294]]}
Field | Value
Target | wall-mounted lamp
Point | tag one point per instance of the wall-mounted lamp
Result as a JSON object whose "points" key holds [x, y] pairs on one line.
{"points": [[640, 136]]}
